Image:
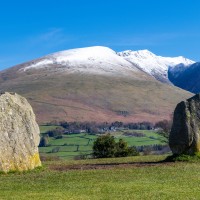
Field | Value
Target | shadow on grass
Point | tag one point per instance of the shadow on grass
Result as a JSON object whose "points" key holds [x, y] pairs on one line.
{"points": [[170, 160], [99, 166]]}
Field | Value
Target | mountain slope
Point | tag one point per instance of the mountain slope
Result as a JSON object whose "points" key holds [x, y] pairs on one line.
{"points": [[156, 66], [91, 84], [90, 60], [186, 78]]}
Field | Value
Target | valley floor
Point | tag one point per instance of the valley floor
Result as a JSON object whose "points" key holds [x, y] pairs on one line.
{"points": [[142, 177], [74, 146]]}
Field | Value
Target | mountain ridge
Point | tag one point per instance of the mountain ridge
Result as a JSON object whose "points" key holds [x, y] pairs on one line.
{"points": [[156, 66], [187, 78], [62, 90], [92, 58]]}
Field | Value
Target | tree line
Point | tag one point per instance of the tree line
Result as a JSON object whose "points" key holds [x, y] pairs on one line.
{"points": [[163, 127], [90, 127]]}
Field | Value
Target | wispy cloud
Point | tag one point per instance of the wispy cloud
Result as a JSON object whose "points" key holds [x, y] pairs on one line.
{"points": [[53, 37], [34, 46]]}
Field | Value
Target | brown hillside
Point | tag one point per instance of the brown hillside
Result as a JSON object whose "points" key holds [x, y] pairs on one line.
{"points": [[82, 97]]}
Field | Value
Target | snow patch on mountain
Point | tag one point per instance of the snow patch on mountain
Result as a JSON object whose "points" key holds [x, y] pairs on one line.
{"points": [[103, 60], [154, 65], [96, 60]]}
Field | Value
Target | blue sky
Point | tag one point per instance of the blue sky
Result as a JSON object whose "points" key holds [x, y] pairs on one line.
{"points": [[31, 29]]}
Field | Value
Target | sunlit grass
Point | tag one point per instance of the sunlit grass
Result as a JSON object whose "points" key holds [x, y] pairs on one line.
{"points": [[165, 181]]}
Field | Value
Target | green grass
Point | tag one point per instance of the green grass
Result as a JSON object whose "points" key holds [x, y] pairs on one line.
{"points": [[166, 181], [76, 140], [151, 138], [69, 143], [45, 128], [184, 158]]}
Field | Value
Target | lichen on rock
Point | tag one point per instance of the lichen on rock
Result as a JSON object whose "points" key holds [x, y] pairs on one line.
{"points": [[19, 134], [185, 133]]}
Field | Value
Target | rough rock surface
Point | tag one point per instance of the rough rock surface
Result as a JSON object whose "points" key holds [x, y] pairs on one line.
{"points": [[185, 133], [19, 134]]}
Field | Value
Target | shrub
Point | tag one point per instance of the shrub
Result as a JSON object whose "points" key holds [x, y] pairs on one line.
{"points": [[164, 127], [44, 141], [106, 147], [56, 132], [122, 149]]}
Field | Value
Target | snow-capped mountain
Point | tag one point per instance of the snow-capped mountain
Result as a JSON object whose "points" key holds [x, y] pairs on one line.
{"points": [[94, 84], [154, 65], [89, 60], [105, 61]]}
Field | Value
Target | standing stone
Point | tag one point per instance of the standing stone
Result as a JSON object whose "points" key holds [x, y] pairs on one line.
{"points": [[19, 134], [185, 133]]}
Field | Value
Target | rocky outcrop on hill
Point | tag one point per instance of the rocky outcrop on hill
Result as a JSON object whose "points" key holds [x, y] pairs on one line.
{"points": [[19, 134], [184, 137]]}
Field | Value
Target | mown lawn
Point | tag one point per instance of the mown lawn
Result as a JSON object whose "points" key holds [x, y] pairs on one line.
{"points": [[160, 181]]}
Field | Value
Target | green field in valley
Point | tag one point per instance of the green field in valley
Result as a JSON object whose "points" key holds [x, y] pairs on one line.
{"points": [[125, 178], [44, 128], [74, 145]]}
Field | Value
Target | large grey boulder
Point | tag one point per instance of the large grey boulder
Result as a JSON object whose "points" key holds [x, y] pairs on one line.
{"points": [[185, 133], [19, 134]]}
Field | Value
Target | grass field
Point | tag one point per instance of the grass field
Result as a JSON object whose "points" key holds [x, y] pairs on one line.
{"points": [[44, 128], [149, 181], [74, 145]]}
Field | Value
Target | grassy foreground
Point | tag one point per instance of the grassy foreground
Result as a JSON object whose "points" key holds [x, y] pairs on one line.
{"points": [[158, 181]]}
